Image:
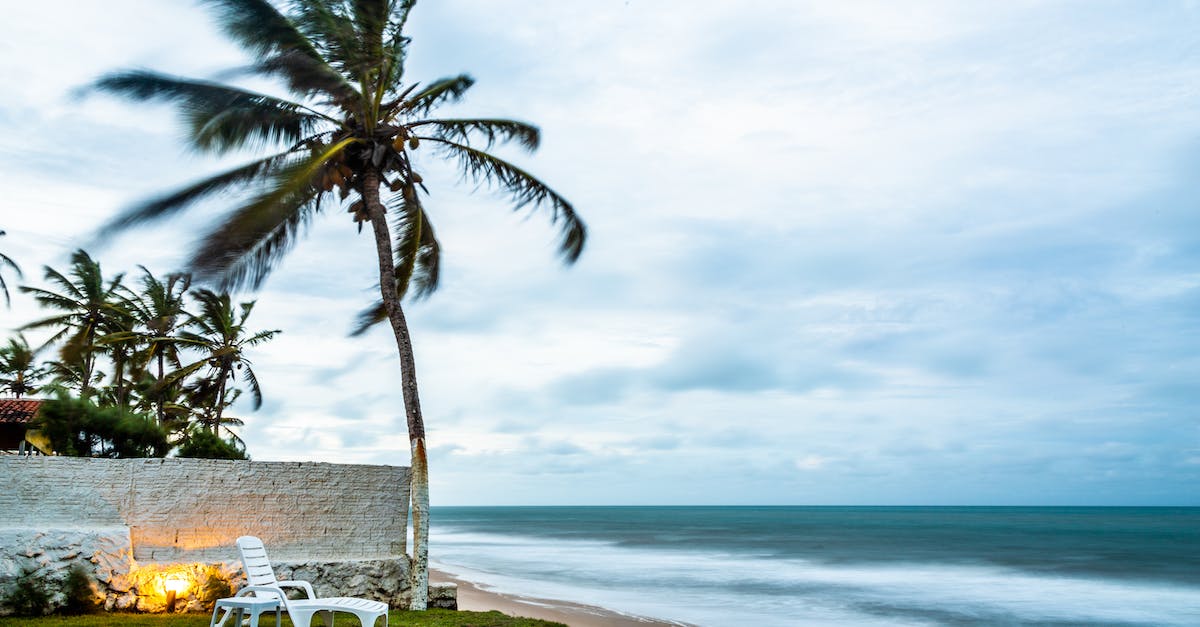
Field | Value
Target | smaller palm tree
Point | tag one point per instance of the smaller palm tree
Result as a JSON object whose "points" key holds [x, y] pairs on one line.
{"points": [[19, 370], [89, 307], [219, 332], [6, 261], [74, 375], [157, 312]]}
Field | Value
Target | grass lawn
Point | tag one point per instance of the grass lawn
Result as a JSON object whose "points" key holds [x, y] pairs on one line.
{"points": [[430, 618]]}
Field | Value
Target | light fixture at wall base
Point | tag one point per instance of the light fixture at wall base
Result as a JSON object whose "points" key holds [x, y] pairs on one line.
{"points": [[174, 585]]}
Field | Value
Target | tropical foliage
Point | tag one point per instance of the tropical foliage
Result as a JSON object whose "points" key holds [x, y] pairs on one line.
{"points": [[20, 373], [79, 427], [131, 365], [353, 133], [5, 260], [220, 336], [208, 445]]}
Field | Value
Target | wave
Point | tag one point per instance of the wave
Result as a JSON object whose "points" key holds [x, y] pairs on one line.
{"points": [[709, 587]]}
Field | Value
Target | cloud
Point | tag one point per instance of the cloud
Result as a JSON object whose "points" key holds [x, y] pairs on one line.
{"points": [[840, 253]]}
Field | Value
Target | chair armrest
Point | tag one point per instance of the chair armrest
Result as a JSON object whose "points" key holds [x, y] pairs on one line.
{"points": [[307, 587], [273, 590]]}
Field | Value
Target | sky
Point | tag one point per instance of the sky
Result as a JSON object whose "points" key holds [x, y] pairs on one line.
{"points": [[930, 253]]}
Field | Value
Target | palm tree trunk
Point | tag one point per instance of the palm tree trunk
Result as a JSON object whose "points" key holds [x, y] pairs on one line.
{"points": [[419, 471], [85, 385], [119, 378], [219, 404], [160, 392]]}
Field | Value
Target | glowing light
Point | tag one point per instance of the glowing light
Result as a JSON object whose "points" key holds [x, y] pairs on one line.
{"points": [[176, 583]]}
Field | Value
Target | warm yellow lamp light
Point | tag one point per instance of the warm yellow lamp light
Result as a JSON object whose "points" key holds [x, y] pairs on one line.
{"points": [[174, 584]]}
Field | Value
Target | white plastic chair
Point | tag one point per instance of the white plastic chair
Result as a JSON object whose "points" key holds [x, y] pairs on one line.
{"points": [[261, 579]]}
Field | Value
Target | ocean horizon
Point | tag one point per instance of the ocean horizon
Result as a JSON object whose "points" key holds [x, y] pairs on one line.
{"points": [[845, 565]]}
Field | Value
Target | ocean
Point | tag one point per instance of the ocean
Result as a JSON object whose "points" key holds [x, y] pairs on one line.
{"points": [[790, 566]]}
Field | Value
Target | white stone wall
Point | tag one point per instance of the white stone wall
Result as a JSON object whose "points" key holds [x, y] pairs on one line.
{"points": [[193, 509], [123, 517]]}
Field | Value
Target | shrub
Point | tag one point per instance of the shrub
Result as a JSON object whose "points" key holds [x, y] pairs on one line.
{"points": [[79, 428], [216, 586], [207, 445], [29, 595], [77, 588]]}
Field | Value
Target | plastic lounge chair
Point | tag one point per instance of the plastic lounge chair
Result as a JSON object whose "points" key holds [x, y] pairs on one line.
{"points": [[261, 579]]}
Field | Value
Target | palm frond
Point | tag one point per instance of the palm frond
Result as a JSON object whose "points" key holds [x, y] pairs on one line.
{"points": [[260, 337], [246, 246], [331, 31], [308, 76], [370, 18], [418, 253], [65, 322], [174, 202], [397, 42], [5, 260], [244, 250], [368, 318], [252, 382], [491, 129], [524, 189], [259, 27], [418, 260], [221, 117], [54, 276], [48, 299], [437, 93], [185, 371], [254, 124]]}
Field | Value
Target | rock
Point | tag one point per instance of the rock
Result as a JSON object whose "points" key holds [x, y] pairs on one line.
{"points": [[443, 596]]}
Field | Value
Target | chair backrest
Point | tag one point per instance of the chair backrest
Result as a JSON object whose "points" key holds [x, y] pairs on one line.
{"points": [[254, 560]]}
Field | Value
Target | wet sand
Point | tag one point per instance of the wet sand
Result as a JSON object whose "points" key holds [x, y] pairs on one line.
{"points": [[474, 598]]}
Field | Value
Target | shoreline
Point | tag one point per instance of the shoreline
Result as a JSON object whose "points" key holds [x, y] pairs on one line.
{"points": [[473, 598]]}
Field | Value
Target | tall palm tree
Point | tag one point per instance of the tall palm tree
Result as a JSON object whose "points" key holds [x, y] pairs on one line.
{"points": [[19, 370], [352, 133], [6, 261], [89, 307], [219, 333]]}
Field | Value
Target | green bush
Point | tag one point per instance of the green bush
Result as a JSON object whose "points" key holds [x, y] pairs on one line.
{"points": [[205, 444], [77, 427], [216, 586], [77, 588], [29, 595]]}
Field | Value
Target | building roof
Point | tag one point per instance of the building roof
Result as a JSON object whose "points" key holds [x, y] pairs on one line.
{"points": [[18, 410]]}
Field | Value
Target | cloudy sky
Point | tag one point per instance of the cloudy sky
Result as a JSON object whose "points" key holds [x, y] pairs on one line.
{"points": [[840, 252]]}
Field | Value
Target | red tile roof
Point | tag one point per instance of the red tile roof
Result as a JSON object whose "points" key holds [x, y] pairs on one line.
{"points": [[18, 410]]}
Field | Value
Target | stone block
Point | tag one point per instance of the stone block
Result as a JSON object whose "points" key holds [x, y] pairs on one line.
{"points": [[443, 596]]}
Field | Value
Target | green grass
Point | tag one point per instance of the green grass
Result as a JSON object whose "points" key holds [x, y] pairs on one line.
{"points": [[430, 618]]}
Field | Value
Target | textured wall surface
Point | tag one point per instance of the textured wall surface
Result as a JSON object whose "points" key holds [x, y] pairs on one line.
{"points": [[194, 509], [130, 520]]}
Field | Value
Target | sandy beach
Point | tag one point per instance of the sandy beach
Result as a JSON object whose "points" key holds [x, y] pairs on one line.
{"points": [[474, 598]]}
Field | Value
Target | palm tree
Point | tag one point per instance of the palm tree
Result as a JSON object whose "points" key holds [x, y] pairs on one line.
{"points": [[353, 131], [6, 261], [157, 311], [19, 371], [121, 354], [220, 334], [90, 308]]}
